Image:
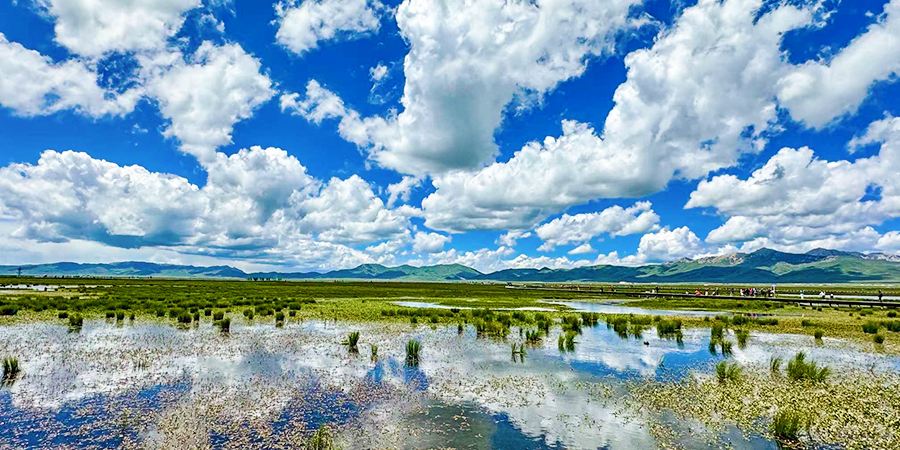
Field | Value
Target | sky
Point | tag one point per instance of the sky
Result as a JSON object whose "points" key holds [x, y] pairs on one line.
{"points": [[317, 135]]}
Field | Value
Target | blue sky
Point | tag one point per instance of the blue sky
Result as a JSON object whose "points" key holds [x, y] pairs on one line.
{"points": [[325, 134]]}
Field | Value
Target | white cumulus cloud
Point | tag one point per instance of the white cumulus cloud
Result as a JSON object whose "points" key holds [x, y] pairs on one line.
{"points": [[303, 27]]}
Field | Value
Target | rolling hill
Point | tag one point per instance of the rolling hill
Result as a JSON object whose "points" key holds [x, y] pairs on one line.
{"points": [[761, 266]]}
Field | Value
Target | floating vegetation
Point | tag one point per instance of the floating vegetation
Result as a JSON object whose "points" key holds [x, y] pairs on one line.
{"points": [[10, 369], [799, 369], [412, 353], [786, 426], [728, 371]]}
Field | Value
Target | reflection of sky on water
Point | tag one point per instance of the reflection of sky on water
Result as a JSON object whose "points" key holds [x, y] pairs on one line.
{"points": [[301, 371]]}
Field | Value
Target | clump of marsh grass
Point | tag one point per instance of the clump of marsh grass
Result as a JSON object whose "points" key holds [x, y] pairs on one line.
{"points": [[412, 353], [567, 342], [878, 339], [818, 334], [786, 426], [871, 327], [717, 332], [775, 365], [218, 315], [668, 328], [321, 440], [459, 328], [742, 335], [374, 349], [10, 369], [120, 316], [728, 372], [806, 323], [76, 321], [63, 315], [799, 369], [518, 352], [727, 348], [532, 336], [713, 345], [225, 325], [352, 340]]}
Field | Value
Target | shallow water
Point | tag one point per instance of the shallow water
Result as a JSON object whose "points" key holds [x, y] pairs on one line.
{"points": [[603, 308], [155, 386]]}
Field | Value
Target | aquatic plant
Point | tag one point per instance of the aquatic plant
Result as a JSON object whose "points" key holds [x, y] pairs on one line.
{"points": [[184, 317], [775, 365], [786, 426], [717, 332], [518, 351], [871, 327], [374, 349], [668, 328], [225, 325], [218, 315], [726, 371], [352, 340], [10, 369], [570, 340], [321, 440], [63, 315], [207, 312], [892, 314], [412, 352], [713, 346], [8, 310], [590, 319], [799, 369], [726, 348], [806, 323], [571, 323], [878, 339], [279, 317], [818, 334], [110, 314], [533, 336], [742, 335], [76, 321], [767, 321]]}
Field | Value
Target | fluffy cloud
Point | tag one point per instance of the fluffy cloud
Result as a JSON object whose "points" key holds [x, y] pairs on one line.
{"points": [[258, 203], [94, 27], [402, 189], [581, 228], [819, 91], [468, 61], [32, 84], [429, 242], [669, 245], [510, 238], [692, 103], [797, 201], [206, 95], [301, 28]]}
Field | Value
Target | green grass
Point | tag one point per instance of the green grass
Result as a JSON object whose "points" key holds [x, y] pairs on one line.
{"points": [[352, 340], [225, 325], [871, 327], [878, 339], [775, 365], [322, 439], [786, 426], [412, 353], [728, 372], [799, 369], [10, 369], [742, 336]]}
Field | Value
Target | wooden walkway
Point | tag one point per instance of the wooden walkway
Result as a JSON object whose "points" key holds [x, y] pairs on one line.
{"points": [[837, 301]]}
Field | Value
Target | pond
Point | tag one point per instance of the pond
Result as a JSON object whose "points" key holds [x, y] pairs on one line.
{"points": [[155, 386]]}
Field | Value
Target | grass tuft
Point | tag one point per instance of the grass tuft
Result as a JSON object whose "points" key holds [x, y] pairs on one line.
{"points": [[412, 353], [728, 372]]}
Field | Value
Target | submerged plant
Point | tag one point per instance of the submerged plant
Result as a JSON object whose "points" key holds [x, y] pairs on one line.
{"points": [[726, 371], [799, 369], [412, 353]]}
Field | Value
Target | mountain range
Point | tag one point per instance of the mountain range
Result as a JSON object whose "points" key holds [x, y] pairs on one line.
{"points": [[761, 266]]}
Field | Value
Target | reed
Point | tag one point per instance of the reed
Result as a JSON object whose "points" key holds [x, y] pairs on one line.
{"points": [[533, 336], [742, 335]]}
